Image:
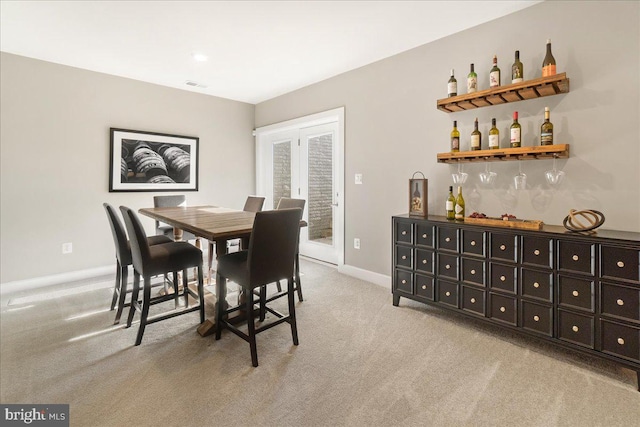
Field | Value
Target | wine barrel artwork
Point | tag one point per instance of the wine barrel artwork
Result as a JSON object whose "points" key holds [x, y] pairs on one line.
{"points": [[147, 161]]}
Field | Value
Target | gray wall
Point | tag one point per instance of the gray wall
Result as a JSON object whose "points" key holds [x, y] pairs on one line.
{"points": [[55, 159], [393, 127]]}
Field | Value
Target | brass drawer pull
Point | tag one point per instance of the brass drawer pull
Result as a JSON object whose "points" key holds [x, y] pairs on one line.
{"points": [[473, 300], [503, 309], [448, 239], [575, 293], [502, 278], [473, 243], [404, 257], [424, 286], [424, 261], [404, 282], [536, 284], [503, 247], [536, 318], [620, 302], [473, 272], [447, 266], [620, 264], [448, 293], [620, 341], [575, 257], [536, 252], [574, 328], [404, 232]]}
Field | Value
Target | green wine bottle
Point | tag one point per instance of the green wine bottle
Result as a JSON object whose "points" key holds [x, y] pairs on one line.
{"points": [[494, 74], [517, 72], [452, 86], [451, 203], [494, 136], [546, 130], [472, 81], [455, 138], [459, 215], [476, 137], [516, 135]]}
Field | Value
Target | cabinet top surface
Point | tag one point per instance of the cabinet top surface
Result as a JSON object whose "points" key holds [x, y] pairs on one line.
{"points": [[555, 230]]}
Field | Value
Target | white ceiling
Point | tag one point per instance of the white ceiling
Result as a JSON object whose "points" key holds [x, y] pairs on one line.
{"points": [[256, 50]]}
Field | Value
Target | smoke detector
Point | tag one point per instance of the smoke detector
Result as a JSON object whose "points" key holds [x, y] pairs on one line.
{"points": [[195, 84]]}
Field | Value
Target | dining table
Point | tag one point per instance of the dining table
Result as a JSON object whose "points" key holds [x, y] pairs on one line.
{"points": [[215, 224]]}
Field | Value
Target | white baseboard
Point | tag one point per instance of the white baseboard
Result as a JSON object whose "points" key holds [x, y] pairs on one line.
{"points": [[369, 276], [54, 279]]}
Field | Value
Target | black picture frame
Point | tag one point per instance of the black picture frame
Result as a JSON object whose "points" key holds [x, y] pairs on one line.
{"points": [[152, 161]]}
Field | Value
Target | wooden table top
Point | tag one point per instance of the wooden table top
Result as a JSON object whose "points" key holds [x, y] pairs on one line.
{"points": [[209, 222]]}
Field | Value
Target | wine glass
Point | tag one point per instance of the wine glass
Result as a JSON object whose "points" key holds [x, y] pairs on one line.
{"points": [[460, 177], [520, 180], [487, 177], [554, 176]]}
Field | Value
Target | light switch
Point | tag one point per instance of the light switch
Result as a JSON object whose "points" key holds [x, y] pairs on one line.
{"points": [[358, 178]]}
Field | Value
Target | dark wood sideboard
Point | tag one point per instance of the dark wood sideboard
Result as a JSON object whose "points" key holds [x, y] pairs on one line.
{"points": [[577, 290]]}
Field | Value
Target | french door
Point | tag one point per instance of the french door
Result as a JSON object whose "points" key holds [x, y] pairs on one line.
{"points": [[303, 160]]}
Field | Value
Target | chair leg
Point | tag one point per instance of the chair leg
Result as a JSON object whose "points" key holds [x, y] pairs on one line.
{"points": [[134, 297], [292, 311], [220, 306], [146, 302], [175, 288], [252, 329], [201, 293], [185, 288], [263, 299], [298, 285], [116, 287], [124, 278]]}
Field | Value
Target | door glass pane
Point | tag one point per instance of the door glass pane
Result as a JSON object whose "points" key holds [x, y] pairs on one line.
{"points": [[321, 189], [281, 171]]}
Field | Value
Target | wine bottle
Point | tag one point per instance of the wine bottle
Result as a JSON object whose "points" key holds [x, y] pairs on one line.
{"points": [[452, 86], [476, 137], [459, 215], [416, 200], [494, 136], [549, 62], [516, 136], [455, 138], [517, 72], [451, 202], [494, 74], [472, 81], [546, 130]]}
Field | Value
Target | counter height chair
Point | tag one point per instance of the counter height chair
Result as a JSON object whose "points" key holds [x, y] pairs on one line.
{"points": [[269, 258], [170, 202], [287, 203], [160, 259], [123, 259]]}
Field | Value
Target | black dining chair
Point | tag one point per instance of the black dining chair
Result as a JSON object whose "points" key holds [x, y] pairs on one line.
{"points": [[123, 260], [252, 204], [160, 259], [170, 202], [269, 258], [288, 203]]}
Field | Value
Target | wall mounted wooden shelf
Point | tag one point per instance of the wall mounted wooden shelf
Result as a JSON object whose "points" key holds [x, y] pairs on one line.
{"points": [[530, 89], [560, 151]]}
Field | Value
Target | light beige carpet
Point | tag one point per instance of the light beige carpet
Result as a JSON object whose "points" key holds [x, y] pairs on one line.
{"points": [[360, 362]]}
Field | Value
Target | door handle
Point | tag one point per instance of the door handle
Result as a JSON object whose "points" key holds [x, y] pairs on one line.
{"points": [[334, 204]]}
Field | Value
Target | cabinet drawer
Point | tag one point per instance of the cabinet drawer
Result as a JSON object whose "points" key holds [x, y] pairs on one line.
{"points": [[537, 251], [473, 242], [403, 282], [503, 277], [404, 256], [448, 293], [620, 263], [504, 246], [473, 271], [576, 293], [620, 301], [448, 266], [575, 328], [503, 308], [576, 257], [424, 235], [621, 340], [404, 232], [537, 284], [537, 318], [424, 287], [473, 300], [448, 238], [424, 260]]}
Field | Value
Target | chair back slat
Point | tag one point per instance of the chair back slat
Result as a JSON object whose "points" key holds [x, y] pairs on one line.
{"points": [[272, 245], [140, 254], [119, 235]]}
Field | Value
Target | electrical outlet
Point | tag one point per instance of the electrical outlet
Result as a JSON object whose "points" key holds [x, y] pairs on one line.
{"points": [[356, 243], [67, 248], [358, 178]]}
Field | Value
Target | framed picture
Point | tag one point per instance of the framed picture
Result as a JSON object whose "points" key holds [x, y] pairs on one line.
{"points": [[418, 197], [149, 161]]}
